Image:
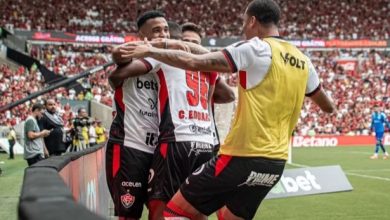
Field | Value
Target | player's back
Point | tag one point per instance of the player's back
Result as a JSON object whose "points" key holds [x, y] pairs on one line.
{"points": [[271, 94]]}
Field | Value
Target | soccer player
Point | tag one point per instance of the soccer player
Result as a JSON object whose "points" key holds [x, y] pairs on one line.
{"points": [[274, 77], [175, 31], [133, 133], [185, 140], [378, 121], [192, 33]]}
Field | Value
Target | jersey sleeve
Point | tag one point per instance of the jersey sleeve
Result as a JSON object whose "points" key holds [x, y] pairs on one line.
{"points": [[151, 64], [313, 82], [243, 54]]}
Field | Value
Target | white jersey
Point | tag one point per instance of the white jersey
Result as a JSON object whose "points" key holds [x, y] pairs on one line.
{"points": [[136, 120], [254, 56], [183, 104]]}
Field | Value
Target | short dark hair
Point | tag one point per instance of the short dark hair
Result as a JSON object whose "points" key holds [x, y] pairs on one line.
{"points": [[80, 109], [37, 106], [174, 30], [141, 20], [46, 100], [191, 27], [266, 11]]}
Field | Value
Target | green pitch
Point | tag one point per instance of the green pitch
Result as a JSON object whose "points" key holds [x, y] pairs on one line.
{"points": [[369, 200], [10, 185]]}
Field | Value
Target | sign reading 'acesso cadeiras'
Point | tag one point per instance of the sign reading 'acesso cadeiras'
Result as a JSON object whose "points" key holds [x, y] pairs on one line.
{"points": [[311, 180]]}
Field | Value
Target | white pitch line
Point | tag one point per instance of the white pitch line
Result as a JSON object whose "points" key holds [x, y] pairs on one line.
{"points": [[374, 170], [368, 176], [298, 165], [349, 173]]}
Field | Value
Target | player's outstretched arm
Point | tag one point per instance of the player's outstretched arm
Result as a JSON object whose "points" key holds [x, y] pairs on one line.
{"points": [[323, 101], [223, 93], [210, 62], [161, 43], [134, 68]]}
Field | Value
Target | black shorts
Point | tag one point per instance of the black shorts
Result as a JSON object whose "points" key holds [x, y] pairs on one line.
{"points": [[172, 164], [240, 183], [127, 172]]}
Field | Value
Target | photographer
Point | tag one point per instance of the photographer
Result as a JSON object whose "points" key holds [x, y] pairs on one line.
{"points": [[80, 130], [55, 142]]}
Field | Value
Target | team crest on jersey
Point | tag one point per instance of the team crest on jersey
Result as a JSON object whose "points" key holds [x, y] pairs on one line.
{"points": [[127, 200]]}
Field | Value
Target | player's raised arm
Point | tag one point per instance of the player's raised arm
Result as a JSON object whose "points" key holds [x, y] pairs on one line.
{"points": [[214, 61]]}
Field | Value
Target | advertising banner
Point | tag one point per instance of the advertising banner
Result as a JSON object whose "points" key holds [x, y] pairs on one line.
{"points": [[86, 178], [101, 38], [355, 43], [309, 181], [336, 141], [64, 37]]}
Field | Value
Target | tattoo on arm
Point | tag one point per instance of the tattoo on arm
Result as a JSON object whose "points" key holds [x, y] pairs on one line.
{"points": [[206, 62], [217, 62], [196, 49]]}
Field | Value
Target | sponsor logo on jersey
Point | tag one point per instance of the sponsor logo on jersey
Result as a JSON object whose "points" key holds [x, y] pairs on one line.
{"points": [[148, 114], [152, 103], [127, 200], [151, 139], [200, 130], [198, 148], [148, 85], [293, 61], [261, 179]]}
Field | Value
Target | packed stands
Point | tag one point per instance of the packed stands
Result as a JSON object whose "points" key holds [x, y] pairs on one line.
{"points": [[344, 19]]}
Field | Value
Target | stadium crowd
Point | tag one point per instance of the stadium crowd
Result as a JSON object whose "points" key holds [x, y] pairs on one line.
{"points": [[345, 19], [355, 93], [357, 90]]}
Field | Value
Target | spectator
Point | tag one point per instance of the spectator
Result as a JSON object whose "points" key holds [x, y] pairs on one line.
{"points": [[34, 146], [101, 132], [55, 142]]}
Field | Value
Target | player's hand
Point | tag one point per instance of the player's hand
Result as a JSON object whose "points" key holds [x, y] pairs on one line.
{"points": [[117, 54], [139, 51]]}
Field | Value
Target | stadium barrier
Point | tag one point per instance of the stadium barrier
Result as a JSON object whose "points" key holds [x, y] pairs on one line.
{"points": [[336, 141], [72, 186]]}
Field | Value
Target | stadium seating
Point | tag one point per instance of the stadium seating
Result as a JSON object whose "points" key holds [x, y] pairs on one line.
{"points": [[354, 92], [344, 19]]}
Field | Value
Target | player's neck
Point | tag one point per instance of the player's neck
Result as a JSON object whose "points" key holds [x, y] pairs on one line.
{"points": [[271, 32]]}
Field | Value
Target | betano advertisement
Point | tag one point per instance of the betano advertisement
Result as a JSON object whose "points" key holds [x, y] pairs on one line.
{"points": [[86, 178], [336, 141], [100, 38]]}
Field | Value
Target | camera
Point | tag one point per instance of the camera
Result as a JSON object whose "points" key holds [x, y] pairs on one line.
{"points": [[81, 122]]}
